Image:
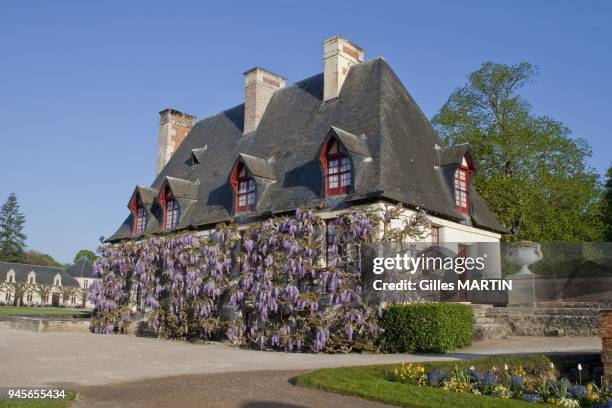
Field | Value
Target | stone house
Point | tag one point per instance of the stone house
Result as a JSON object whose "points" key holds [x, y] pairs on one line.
{"points": [[349, 137], [82, 272], [33, 285]]}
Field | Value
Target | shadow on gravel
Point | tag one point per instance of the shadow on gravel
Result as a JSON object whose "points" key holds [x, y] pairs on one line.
{"points": [[269, 404]]}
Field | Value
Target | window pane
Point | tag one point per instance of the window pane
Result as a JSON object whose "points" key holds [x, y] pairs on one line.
{"points": [[332, 181], [346, 179], [346, 164], [333, 166]]}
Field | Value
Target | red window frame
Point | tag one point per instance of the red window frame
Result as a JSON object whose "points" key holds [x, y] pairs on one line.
{"points": [[171, 214], [245, 190], [337, 169], [170, 209], [140, 223], [435, 234], [462, 189], [140, 215]]}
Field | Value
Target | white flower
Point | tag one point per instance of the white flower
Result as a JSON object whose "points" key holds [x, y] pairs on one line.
{"points": [[506, 367], [552, 366], [472, 368], [579, 367], [494, 369]]}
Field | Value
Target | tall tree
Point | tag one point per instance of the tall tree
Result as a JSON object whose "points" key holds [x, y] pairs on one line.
{"points": [[38, 258], [532, 173], [85, 253], [608, 203], [12, 238]]}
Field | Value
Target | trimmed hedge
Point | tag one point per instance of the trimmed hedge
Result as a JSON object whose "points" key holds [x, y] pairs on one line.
{"points": [[426, 327]]}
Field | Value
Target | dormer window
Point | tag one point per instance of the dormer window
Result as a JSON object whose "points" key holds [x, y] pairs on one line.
{"points": [[462, 187], [245, 189], [337, 168], [141, 221], [139, 214], [170, 209], [172, 214]]}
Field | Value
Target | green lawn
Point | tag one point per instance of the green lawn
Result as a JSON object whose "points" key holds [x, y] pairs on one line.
{"points": [[68, 402], [369, 382], [42, 311]]}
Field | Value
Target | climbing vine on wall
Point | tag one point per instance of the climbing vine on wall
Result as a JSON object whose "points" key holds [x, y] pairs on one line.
{"points": [[273, 285]]}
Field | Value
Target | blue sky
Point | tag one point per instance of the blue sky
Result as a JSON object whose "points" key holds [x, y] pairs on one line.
{"points": [[81, 83]]}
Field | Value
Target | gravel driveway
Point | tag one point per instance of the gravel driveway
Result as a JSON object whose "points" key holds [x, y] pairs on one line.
{"points": [[255, 389], [128, 371]]}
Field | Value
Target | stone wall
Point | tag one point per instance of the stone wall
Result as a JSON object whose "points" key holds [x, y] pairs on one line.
{"points": [[44, 324], [605, 328], [546, 321]]}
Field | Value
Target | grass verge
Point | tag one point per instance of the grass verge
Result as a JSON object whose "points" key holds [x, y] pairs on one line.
{"points": [[369, 382], [65, 403], [42, 311]]}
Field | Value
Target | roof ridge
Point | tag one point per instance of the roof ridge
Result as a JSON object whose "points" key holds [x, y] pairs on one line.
{"points": [[39, 266]]}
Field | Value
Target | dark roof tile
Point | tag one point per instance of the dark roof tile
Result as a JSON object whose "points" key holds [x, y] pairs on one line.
{"points": [[395, 155], [44, 274]]}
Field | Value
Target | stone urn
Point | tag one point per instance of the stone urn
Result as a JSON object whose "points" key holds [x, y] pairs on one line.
{"points": [[524, 254]]}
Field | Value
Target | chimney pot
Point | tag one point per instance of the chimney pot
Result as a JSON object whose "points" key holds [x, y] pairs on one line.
{"points": [[259, 86], [173, 128], [339, 54]]}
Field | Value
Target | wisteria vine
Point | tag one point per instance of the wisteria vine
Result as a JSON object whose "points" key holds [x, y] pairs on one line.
{"points": [[274, 285]]}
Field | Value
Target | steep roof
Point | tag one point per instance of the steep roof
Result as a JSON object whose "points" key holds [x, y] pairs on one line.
{"points": [[391, 143], [44, 274], [147, 196], [82, 269]]}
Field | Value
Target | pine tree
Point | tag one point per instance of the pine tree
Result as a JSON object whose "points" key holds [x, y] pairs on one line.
{"points": [[12, 238], [608, 200]]}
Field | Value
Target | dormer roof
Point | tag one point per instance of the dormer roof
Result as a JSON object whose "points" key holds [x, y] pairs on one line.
{"points": [[395, 151]]}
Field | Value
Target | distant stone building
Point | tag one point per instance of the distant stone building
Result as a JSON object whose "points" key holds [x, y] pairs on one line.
{"points": [[82, 272], [33, 285]]}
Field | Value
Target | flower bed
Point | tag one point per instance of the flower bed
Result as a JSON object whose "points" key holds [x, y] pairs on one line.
{"points": [[539, 384]]}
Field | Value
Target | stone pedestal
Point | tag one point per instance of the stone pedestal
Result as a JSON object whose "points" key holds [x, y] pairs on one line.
{"points": [[605, 329], [523, 290]]}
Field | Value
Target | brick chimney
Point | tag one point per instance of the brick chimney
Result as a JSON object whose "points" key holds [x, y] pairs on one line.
{"points": [[338, 56], [259, 85], [173, 127]]}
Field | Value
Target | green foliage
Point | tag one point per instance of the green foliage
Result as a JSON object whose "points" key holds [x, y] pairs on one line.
{"points": [[531, 172], [38, 258], [12, 238], [608, 203], [426, 327], [46, 403], [85, 253], [372, 383], [43, 311]]}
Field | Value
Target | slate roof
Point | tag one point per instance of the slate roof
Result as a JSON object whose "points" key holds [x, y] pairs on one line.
{"points": [[44, 274], [82, 269], [147, 196], [395, 152]]}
